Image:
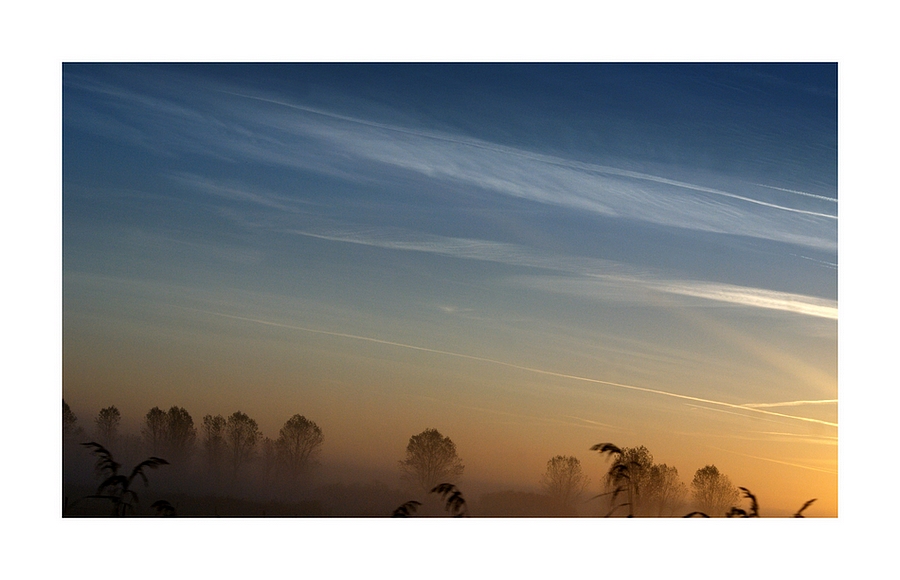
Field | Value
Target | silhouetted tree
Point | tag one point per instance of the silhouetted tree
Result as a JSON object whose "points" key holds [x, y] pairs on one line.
{"points": [[713, 493], [665, 492], [628, 474], [107, 423], [154, 430], [639, 461], [299, 441], [431, 459], [214, 441], [70, 427], [242, 435], [618, 475], [180, 433], [564, 480], [269, 458]]}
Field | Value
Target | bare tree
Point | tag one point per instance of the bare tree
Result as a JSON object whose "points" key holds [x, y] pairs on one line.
{"points": [[242, 435], [70, 427], [180, 433], [713, 493], [107, 424], [214, 441], [269, 458], [299, 441], [431, 459], [665, 491], [628, 474], [154, 430], [640, 462], [564, 480]]}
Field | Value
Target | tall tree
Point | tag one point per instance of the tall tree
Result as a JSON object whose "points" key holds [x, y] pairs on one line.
{"points": [[70, 427], [214, 441], [713, 493], [299, 441], [665, 492], [242, 435], [180, 433], [631, 469], [154, 430], [270, 458], [628, 475], [431, 459], [107, 423], [564, 480]]}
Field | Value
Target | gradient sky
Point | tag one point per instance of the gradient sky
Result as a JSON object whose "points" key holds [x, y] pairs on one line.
{"points": [[529, 258]]}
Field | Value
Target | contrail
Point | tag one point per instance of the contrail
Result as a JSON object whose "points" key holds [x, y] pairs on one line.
{"points": [[514, 366], [822, 197], [550, 160], [790, 403], [823, 470]]}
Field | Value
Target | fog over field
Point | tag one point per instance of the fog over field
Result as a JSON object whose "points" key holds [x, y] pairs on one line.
{"points": [[529, 259]]}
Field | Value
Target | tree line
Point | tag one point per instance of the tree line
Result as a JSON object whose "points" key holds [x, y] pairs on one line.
{"points": [[634, 482], [228, 444], [633, 485]]}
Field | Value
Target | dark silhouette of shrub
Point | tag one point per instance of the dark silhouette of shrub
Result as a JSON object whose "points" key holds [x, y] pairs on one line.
{"points": [[407, 509], [455, 503], [163, 508], [736, 512], [117, 488]]}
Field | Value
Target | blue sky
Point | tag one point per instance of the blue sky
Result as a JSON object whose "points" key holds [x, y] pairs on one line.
{"points": [[537, 256]]}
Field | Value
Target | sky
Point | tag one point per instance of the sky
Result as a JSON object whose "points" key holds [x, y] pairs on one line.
{"points": [[530, 258]]}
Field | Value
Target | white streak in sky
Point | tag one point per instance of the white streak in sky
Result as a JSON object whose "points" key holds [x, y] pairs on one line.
{"points": [[592, 271], [830, 440], [791, 403], [831, 265], [518, 367], [755, 297], [593, 423], [822, 197], [832, 471]]}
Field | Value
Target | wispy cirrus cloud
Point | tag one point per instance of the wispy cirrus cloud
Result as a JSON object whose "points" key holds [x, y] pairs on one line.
{"points": [[599, 189], [587, 276], [753, 297], [621, 288], [593, 277], [280, 132], [230, 123]]}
